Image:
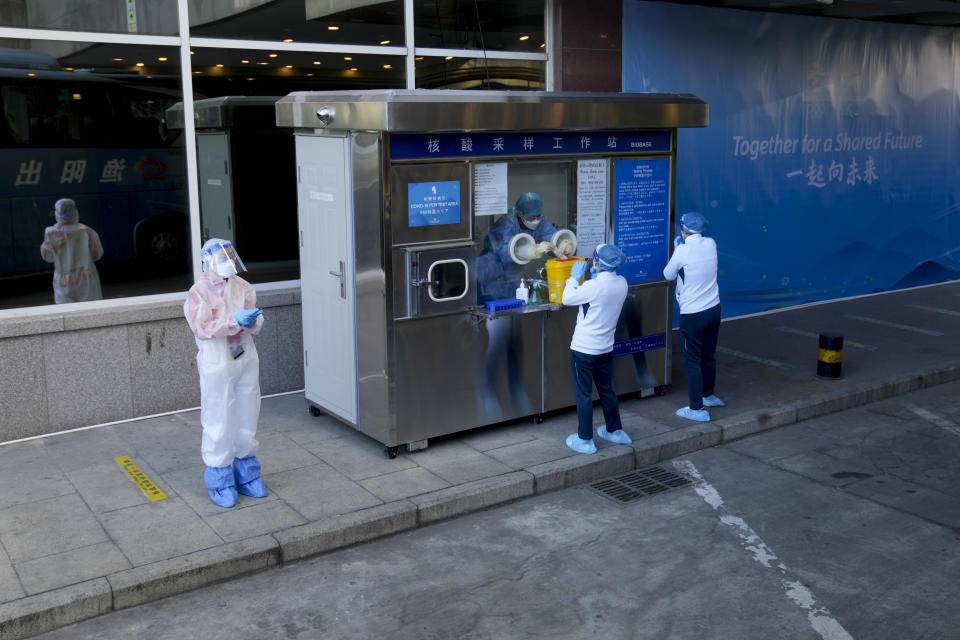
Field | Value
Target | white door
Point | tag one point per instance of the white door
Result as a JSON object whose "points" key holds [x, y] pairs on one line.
{"points": [[326, 265], [216, 188]]}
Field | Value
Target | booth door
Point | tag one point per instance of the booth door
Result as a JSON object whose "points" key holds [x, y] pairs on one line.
{"points": [[216, 186], [326, 267]]}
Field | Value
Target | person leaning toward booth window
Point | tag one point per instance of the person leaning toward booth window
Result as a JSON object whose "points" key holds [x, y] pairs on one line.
{"points": [[694, 266], [591, 350]]}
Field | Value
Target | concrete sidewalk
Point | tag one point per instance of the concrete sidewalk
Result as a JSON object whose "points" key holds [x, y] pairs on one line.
{"points": [[79, 538]]}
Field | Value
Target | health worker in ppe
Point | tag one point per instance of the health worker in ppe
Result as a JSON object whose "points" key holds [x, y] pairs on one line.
{"points": [[497, 273], [600, 298], [72, 247], [221, 309], [694, 266], [498, 277]]}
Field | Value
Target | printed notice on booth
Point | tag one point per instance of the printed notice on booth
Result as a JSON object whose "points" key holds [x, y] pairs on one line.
{"points": [[490, 189], [591, 205]]}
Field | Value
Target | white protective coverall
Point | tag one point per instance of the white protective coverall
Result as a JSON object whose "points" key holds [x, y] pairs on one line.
{"points": [[229, 387], [72, 247]]}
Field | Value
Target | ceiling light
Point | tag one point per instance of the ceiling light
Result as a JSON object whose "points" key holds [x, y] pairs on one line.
{"points": [[32, 75], [263, 64], [219, 66], [449, 58], [245, 61], [388, 66], [161, 59], [353, 68], [192, 52], [333, 27], [68, 68], [250, 79], [289, 66], [420, 58], [524, 37], [288, 39], [347, 58], [197, 73], [118, 59], [272, 55], [317, 62], [139, 64], [603, 36], [384, 42], [309, 75], [77, 96]]}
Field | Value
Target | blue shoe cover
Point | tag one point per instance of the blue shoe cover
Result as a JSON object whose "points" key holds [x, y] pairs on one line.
{"points": [[700, 415], [581, 446], [247, 472], [223, 491], [619, 436], [712, 401]]}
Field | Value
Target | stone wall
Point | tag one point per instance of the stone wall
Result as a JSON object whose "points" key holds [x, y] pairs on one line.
{"points": [[61, 369]]}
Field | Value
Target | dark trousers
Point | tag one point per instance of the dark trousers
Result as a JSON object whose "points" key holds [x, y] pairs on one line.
{"points": [[698, 340], [588, 370]]}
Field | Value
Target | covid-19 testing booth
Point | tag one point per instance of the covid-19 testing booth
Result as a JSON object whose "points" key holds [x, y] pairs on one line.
{"points": [[413, 255]]}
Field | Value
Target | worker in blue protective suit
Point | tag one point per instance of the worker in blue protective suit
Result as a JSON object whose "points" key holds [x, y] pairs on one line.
{"points": [[221, 309], [498, 276], [72, 247], [601, 299], [694, 266]]}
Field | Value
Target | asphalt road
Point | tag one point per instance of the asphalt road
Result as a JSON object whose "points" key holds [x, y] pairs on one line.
{"points": [[842, 527]]}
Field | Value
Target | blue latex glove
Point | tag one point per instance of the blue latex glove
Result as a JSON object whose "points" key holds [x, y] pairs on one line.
{"points": [[678, 240], [247, 317], [577, 271]]}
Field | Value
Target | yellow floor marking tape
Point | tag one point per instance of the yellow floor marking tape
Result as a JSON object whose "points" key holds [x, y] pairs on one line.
{"points": [[146, 485]]}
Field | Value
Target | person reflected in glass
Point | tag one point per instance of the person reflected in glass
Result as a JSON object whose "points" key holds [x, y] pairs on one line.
{"points": [[72, 247]]}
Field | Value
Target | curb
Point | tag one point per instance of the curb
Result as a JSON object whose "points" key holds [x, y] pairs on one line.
{"points": [[50, 610]]}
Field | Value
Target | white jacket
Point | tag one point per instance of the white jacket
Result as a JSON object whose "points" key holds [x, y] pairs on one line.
{"points": [[694, 266], [600, 300]]}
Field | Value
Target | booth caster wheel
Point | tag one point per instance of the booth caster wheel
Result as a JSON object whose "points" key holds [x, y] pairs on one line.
{"points": [[392, 452], [538, 419], [314, 411]]}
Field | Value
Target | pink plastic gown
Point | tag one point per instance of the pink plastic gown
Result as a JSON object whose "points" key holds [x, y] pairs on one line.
{"points": [[229, 387], [73, 247]]}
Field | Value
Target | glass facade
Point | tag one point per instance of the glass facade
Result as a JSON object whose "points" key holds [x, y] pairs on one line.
{"points": [[99, 119]]}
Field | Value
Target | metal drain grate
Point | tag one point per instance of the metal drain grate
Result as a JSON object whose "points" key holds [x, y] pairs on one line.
{"points": [[640, 483]]}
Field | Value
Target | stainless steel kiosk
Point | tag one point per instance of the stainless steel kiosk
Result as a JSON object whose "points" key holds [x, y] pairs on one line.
{"points": [[397, 193]]}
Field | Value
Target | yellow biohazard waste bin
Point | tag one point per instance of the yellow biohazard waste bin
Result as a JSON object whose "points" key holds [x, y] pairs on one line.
{"points": [[558, 270]]}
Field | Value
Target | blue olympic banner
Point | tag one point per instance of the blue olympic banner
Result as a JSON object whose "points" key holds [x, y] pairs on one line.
{"points": [[831, 166]]}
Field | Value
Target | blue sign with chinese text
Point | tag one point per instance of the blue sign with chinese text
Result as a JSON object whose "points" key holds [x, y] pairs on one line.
{"points": [[460, 145], [641, 216], [639, 345], [433, 203]]}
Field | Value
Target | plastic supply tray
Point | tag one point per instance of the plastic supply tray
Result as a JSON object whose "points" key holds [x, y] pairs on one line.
{"points": [[496, 306]]}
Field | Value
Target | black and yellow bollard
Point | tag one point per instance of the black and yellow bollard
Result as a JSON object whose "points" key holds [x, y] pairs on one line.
{"points": [[830, 355]]}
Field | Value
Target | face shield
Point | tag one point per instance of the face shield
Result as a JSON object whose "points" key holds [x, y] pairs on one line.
{"points": [[220, 257]]}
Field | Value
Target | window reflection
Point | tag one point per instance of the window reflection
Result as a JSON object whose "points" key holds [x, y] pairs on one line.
{"points": [[155, 17], [499, 25], [363, 22], [479, 73], [246, 165], [96, 134]]}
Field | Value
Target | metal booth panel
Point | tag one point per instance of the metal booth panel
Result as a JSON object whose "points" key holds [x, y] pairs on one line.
{"points": [[461, 371], [373, 294]]}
